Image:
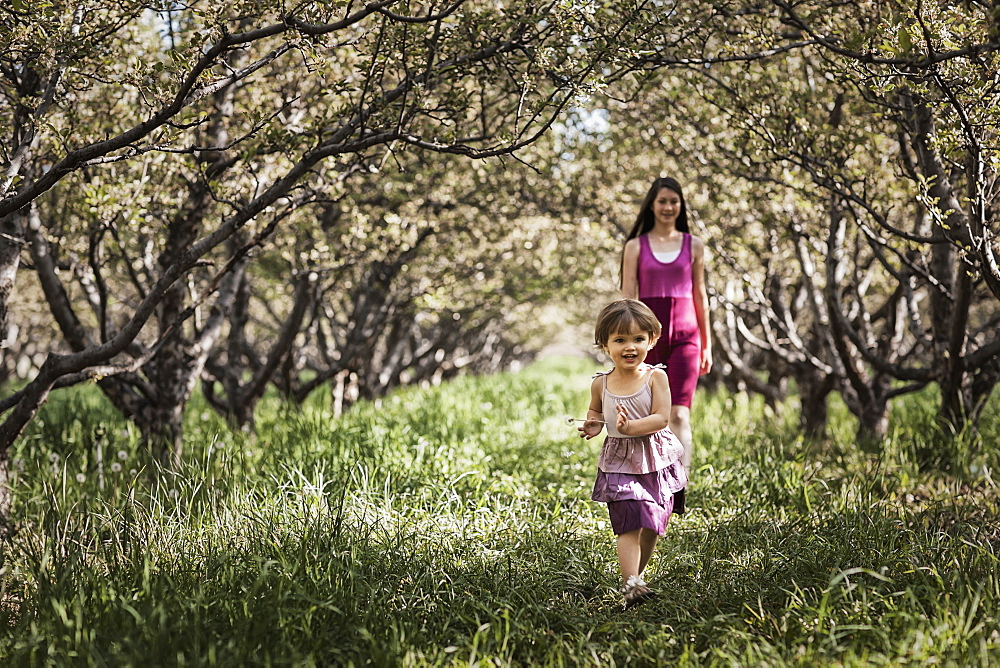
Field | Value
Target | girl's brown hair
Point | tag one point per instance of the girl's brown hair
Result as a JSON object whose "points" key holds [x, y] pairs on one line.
{"points": [[625, 315]]}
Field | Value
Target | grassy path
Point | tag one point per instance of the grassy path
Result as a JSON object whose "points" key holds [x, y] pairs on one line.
{"points": [[452, 526]]}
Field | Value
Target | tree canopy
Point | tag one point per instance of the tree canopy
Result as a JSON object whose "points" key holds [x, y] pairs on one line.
{"points": [[242, 195]]}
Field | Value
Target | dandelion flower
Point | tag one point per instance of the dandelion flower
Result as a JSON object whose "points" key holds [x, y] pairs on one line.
{"points": [[571, 420]]}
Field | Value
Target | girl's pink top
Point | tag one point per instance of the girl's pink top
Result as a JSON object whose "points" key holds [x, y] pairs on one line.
{"points": [[635, 454], [664, 279]]}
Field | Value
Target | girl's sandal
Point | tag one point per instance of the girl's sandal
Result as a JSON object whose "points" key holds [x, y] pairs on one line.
{"points": [[636, 592]]}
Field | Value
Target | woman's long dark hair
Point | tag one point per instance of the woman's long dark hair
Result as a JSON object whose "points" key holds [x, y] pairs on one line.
{"points": [[644, 221]]}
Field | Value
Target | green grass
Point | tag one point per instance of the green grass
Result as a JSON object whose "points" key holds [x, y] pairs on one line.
{"points": [[452, 525]]}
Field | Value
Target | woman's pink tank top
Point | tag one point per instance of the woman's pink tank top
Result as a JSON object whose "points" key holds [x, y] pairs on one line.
{"points": [[664, 279]]}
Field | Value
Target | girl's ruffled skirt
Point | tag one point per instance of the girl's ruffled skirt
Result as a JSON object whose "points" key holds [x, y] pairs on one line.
{"points": [[640, 500]]}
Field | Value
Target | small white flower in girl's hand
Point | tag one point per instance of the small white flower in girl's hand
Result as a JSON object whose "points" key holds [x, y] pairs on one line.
{"points": [[571, 420]]}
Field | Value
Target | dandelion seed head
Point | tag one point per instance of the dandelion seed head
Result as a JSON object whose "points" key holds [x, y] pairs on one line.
{"points": [[53, 457], [81, 478], [116, 467], [122, 455]]}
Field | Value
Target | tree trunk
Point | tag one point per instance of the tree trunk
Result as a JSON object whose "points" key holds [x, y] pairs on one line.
{"points": [[178, 364], [6, 493], [873, 425], [956, 392], [813, 415], [162, 423], [241, 412], [950, 312], [177, 368], [11, 241]]}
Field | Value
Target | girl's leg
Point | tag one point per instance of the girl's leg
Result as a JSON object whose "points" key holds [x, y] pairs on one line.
{"points": [[647, 543], [634, 550], [629, 554]]}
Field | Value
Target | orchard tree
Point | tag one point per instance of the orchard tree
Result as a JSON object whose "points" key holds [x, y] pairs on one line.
{"points": [[827, 267], [931, 68], [201, 132], [892, 295], [443, 267]]}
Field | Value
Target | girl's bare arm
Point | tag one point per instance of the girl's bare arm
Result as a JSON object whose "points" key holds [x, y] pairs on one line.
{"points": [[595, 414]]}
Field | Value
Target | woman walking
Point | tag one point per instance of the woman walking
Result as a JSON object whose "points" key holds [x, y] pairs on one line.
{"points": [[663, 265]]}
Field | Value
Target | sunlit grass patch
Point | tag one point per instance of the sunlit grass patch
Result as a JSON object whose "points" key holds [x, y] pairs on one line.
{"points": [[453, 525]]}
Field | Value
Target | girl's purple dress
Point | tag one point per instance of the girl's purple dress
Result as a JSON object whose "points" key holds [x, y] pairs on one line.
{"points": [[637, 476]]}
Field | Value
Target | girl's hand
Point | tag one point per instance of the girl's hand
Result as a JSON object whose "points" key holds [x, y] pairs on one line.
{"points": [[590, 428], [621, 424]]}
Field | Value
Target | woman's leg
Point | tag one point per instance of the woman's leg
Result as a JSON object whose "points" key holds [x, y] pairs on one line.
{"points": [[682, 372], [680, 424]]}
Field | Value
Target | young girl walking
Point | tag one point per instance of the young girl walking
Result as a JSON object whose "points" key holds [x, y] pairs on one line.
{"points": [[639, 469]]}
